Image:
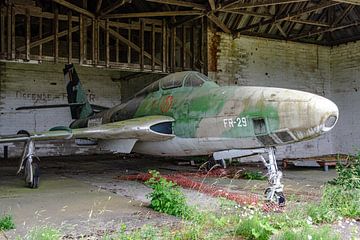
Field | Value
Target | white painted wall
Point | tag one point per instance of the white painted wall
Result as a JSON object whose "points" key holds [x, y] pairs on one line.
{"points": [[250, 61]]}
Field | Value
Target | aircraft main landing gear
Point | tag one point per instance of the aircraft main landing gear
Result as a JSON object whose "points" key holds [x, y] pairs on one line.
{"points": [[30, 163], [274, 192]]}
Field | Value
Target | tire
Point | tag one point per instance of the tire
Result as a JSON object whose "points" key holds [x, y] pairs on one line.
{"points": [[278, 197]]}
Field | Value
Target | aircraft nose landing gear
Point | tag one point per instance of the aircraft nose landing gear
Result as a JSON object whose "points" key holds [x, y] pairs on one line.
{"points": [[30, 163]]}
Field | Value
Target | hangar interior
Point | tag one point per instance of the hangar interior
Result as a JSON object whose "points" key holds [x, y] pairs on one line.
{"points": [[120, 46]]}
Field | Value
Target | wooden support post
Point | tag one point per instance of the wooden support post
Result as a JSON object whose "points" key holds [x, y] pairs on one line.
{"points": [[85, 37], [69, 36], [117, 49], [164, 45], [107, 43], [153, 40], [8, 52], [56, 32], [81, 39], [40, 37], [129, 48], [95, 41], [27, 34], [2, 31], [173, 48], [141, 54], [183, 47], [204, 44], [13, 39], [192, 48]]}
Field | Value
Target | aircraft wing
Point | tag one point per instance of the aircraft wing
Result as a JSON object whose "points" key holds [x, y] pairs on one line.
{"points": [[116, 136]]}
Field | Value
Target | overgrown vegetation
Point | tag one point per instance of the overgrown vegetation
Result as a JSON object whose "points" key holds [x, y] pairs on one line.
{"points": [[348, 174], [6, 223], [43, 233], [254, 175], [166, 196]]}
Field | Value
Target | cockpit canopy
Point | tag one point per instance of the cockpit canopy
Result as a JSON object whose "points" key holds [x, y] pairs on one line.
{"points": [[177, 80]]}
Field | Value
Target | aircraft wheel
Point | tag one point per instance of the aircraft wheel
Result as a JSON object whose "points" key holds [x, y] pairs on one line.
{"points": [[278, 197], [212, 164], [34, 183]]}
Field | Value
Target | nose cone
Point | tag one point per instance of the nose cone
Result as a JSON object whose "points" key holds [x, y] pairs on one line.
{"points": [[325, 112]]}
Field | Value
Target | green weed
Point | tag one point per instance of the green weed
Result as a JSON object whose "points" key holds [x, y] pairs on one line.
{"points": [[43, 233], [308, 232], [6, 223], [254, 175], [348, 175], [255, 228], [166, 196]]}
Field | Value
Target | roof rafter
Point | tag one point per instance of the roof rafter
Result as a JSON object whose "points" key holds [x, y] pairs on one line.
{"points": [[114, 6], [238, 4], [153, 14], [180, 3], [75, 8]]}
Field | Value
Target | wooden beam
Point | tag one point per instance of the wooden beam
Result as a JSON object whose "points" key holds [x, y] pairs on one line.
{"points": [[218, 22], [40, 37], [212, 5], [107, 43], [247, 13], [98, 6], [81, 39], [129, 43], [288, 17], [117, 48], [281, 30], [164, 45], [153, 14], [183, 47], [112, 7], [141, 43], [2, 30], [129, 47], [69, 40], [56, 31], [204, 46], [192, 47], [355, 2], [308, 22], [96, 42], [320, 31], [153, 47], [238, 5], [27, 34], [75, 8], [172, 49], [180, 3], [13, 34], [8, 35], [343, 15]]}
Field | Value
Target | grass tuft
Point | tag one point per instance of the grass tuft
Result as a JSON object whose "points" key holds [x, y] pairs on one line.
{"points": [[43, 233], [6, 223]]}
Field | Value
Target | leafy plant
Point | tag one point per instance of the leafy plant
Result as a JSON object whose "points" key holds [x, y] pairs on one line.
{"points": [[254, 175], [6, 223], [308, 232], [166, 196], [43, 233], [255, 228], [349, 174]]}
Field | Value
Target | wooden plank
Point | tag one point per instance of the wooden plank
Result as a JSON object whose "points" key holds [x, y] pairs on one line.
{"points": [[153, 14], [129, 43], [164, 45], [204, 41], [93, 42], [129, 47], [27, 34], [117, 48], [180, 3], [107, 43], [81, 39], [69, 40], [56, 32], [141, 37], [13, 37], [136, 26], [40, 37], [192, 47], [112, 7], [153, 46], [219, 23], [237, 5], [96, 42], [183, 53], [172, 48], [2, 30], [212, 5], [9, 9], [75, 8]]}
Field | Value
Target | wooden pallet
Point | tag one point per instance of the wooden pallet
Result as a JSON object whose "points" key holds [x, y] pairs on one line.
{"points": [[322, 161]]}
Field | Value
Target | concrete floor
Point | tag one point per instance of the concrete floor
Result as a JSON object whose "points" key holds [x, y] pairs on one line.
{"points": [[80, 195]]}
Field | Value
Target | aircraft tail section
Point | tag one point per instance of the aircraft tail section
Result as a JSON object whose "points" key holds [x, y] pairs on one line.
{"points": [[79, 104]]}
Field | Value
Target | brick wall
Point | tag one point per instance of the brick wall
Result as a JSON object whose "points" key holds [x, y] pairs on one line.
{"points": [[249, 61], [345, 90]]}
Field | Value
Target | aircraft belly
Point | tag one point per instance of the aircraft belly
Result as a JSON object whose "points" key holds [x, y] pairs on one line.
{"points": [[193, 146]]}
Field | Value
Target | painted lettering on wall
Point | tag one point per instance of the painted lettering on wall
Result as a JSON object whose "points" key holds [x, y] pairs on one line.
{"points": [[45, 97]]}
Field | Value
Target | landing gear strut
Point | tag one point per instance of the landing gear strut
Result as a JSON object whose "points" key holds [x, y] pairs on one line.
{"points": [[30, 163], [274, 192]]}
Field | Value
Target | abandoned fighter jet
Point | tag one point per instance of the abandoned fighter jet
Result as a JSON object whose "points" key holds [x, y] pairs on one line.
{"points": [[185, 114]]}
